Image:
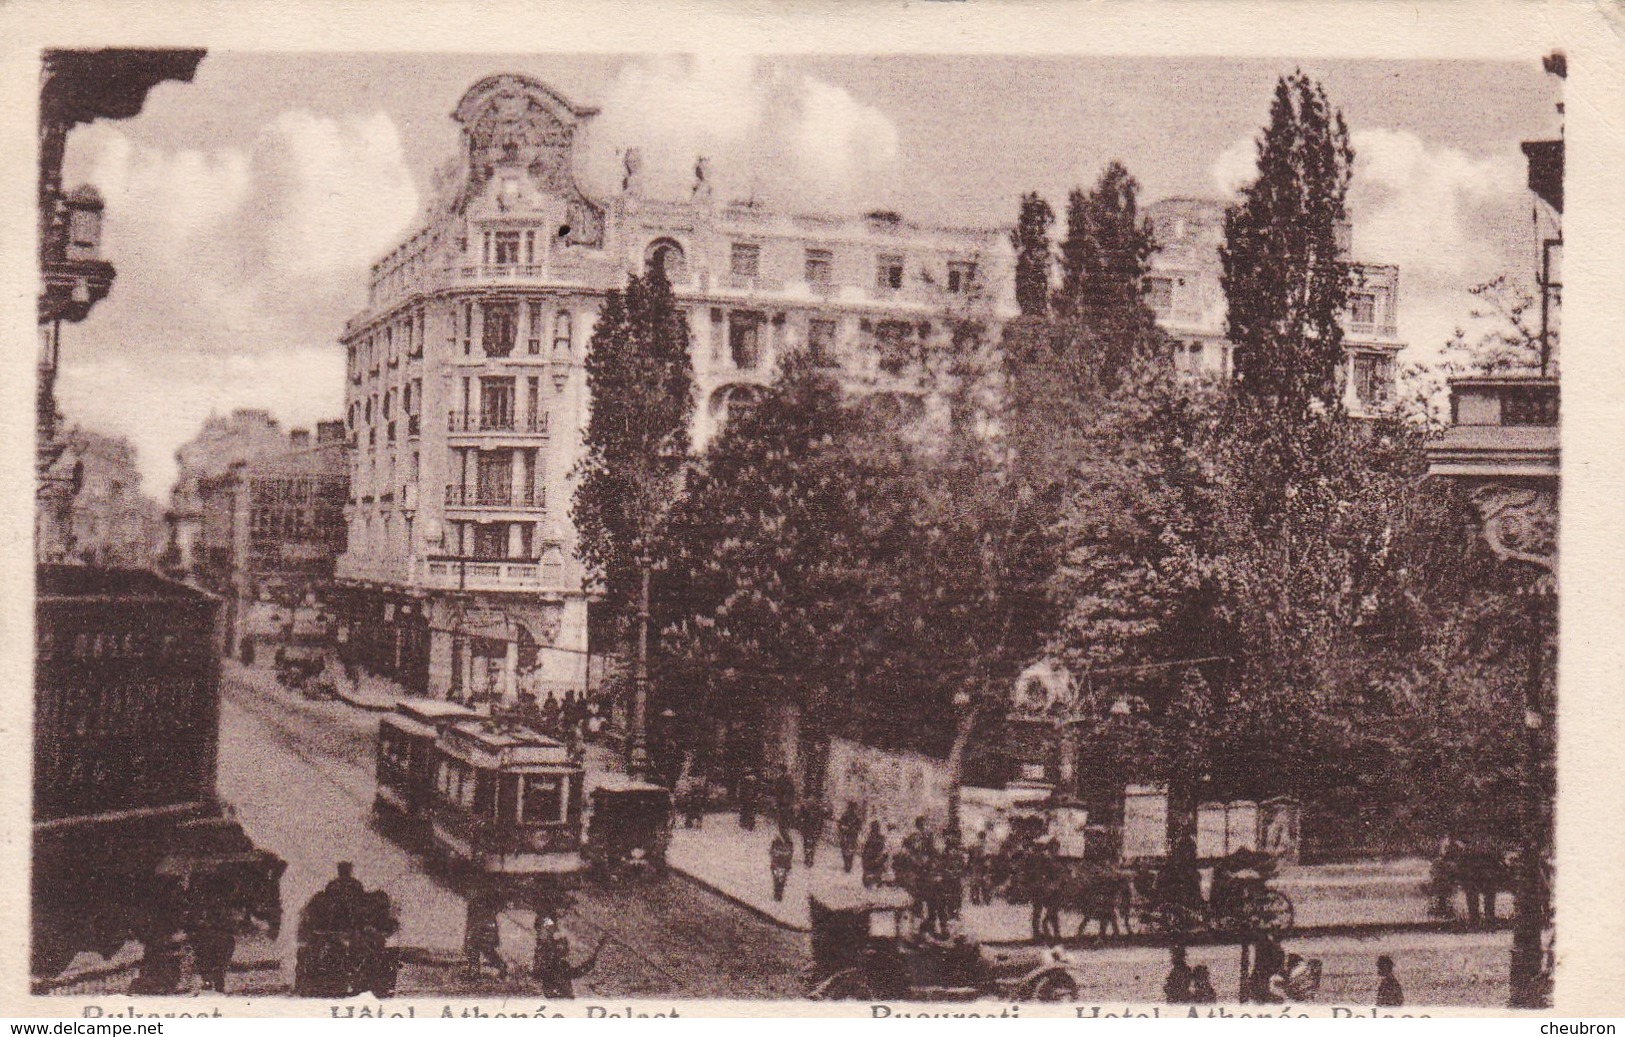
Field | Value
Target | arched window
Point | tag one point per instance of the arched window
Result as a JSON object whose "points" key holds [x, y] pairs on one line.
{"points": [[561, 332], [665, 255]]}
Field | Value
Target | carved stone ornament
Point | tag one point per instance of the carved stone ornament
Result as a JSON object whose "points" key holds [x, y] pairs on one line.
{"points": [[1519, 523], [545, 623]]}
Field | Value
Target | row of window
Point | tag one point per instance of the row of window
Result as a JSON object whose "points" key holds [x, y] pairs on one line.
{"points": [[1365, 307], [500, 325], [536, 798], [818, 266]]}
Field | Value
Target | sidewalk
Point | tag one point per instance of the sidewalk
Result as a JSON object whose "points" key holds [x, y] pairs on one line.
{"points": [[733, 862]]}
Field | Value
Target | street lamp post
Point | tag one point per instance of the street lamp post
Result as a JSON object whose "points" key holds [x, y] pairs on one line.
{"points": [[637, 762]]}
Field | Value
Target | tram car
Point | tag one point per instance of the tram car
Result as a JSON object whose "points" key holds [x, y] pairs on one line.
{"points": [[406, 764], [129, 838], [486, 794]]}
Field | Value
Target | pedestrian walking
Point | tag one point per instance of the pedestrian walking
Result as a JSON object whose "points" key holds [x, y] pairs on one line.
{"points": [[1264, 985], [976, 868], [1202, 992], [551, 961], [482, 942], [812, 828], [784, 798], [748, 790], [874, 855], [849, 830], [1176, 989], [1389, 993], [780, 855]]}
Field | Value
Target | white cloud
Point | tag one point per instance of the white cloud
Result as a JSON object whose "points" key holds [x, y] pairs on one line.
{"points": [[1447, 219], [237, 268], [1236, 166], [789, 140], [161, 406]]}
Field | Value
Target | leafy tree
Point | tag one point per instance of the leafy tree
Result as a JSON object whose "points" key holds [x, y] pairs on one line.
{"points": [[759, 563], [1285, 278], [1103, 262], [1502, 336], [641, 385], [1030, 239]]}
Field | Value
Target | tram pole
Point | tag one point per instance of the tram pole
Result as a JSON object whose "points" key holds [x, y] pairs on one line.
{"points": [[638, 755]]}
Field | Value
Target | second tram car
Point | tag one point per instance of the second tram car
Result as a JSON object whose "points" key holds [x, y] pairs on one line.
{"points": [[489, 794], [406, 762]]}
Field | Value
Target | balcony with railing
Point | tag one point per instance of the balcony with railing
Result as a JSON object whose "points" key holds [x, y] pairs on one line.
{"points": [[497, 422], [504, 497]]}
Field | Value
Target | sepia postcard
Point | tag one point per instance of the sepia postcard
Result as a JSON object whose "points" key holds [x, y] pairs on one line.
{"points": [[940, 509]]}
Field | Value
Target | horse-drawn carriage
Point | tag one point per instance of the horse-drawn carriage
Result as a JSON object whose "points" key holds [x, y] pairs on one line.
{"points": [[1159, 895], [1240, 899], [865, 946]]}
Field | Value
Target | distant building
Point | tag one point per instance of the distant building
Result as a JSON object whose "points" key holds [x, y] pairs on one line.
{"points": [[466, 398], [1184, 290], [222, 442], [270, 528], [108, 521]]}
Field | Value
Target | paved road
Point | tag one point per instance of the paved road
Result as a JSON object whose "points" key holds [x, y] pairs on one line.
{"points": [[300, 775]]}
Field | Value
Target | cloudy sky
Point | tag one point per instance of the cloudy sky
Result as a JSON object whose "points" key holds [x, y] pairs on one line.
{"points": [[244, 208]]}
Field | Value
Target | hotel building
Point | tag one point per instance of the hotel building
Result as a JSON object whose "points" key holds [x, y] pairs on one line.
{"points": [[466, 398]]}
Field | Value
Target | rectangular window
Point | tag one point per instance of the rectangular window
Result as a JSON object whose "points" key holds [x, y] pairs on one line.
{"points": [[486, 255], [533, 339], [543, 799], [533, 403], [496, 403], [889, 273], [820, 267], [468, 328], [821, 341], [1159, 295], [895, 341], [1363, 309], [745, 339], [530, 247], [960, 277], [1373, 378], [562, 334], [507, 247], [501, 327], [494, 485], [744, 260]]}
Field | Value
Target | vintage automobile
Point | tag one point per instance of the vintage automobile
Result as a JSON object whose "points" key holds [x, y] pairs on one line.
{"points": [[628, 829], [865, 947]]}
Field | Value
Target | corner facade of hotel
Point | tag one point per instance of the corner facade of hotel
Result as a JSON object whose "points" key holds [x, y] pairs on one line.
{"points": [[466, 398]]}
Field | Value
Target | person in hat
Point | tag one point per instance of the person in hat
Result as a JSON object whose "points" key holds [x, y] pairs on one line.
{"points": [[551, 962]]}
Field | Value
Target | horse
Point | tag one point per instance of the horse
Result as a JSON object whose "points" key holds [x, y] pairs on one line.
{"points": [[1099, 892], [1480, 872]]}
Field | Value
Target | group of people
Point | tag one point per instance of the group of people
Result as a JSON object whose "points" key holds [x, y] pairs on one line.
{"points": [[1275, 977], [550, 961]]}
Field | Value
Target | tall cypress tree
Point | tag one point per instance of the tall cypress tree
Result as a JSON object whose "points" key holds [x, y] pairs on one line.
{"points": [[640, 380], [1030, 239], [1103, 262], [1285, 277]]}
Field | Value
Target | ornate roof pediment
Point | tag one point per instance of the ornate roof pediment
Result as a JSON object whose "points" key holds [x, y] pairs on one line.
{"points": [[511, 120]]}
